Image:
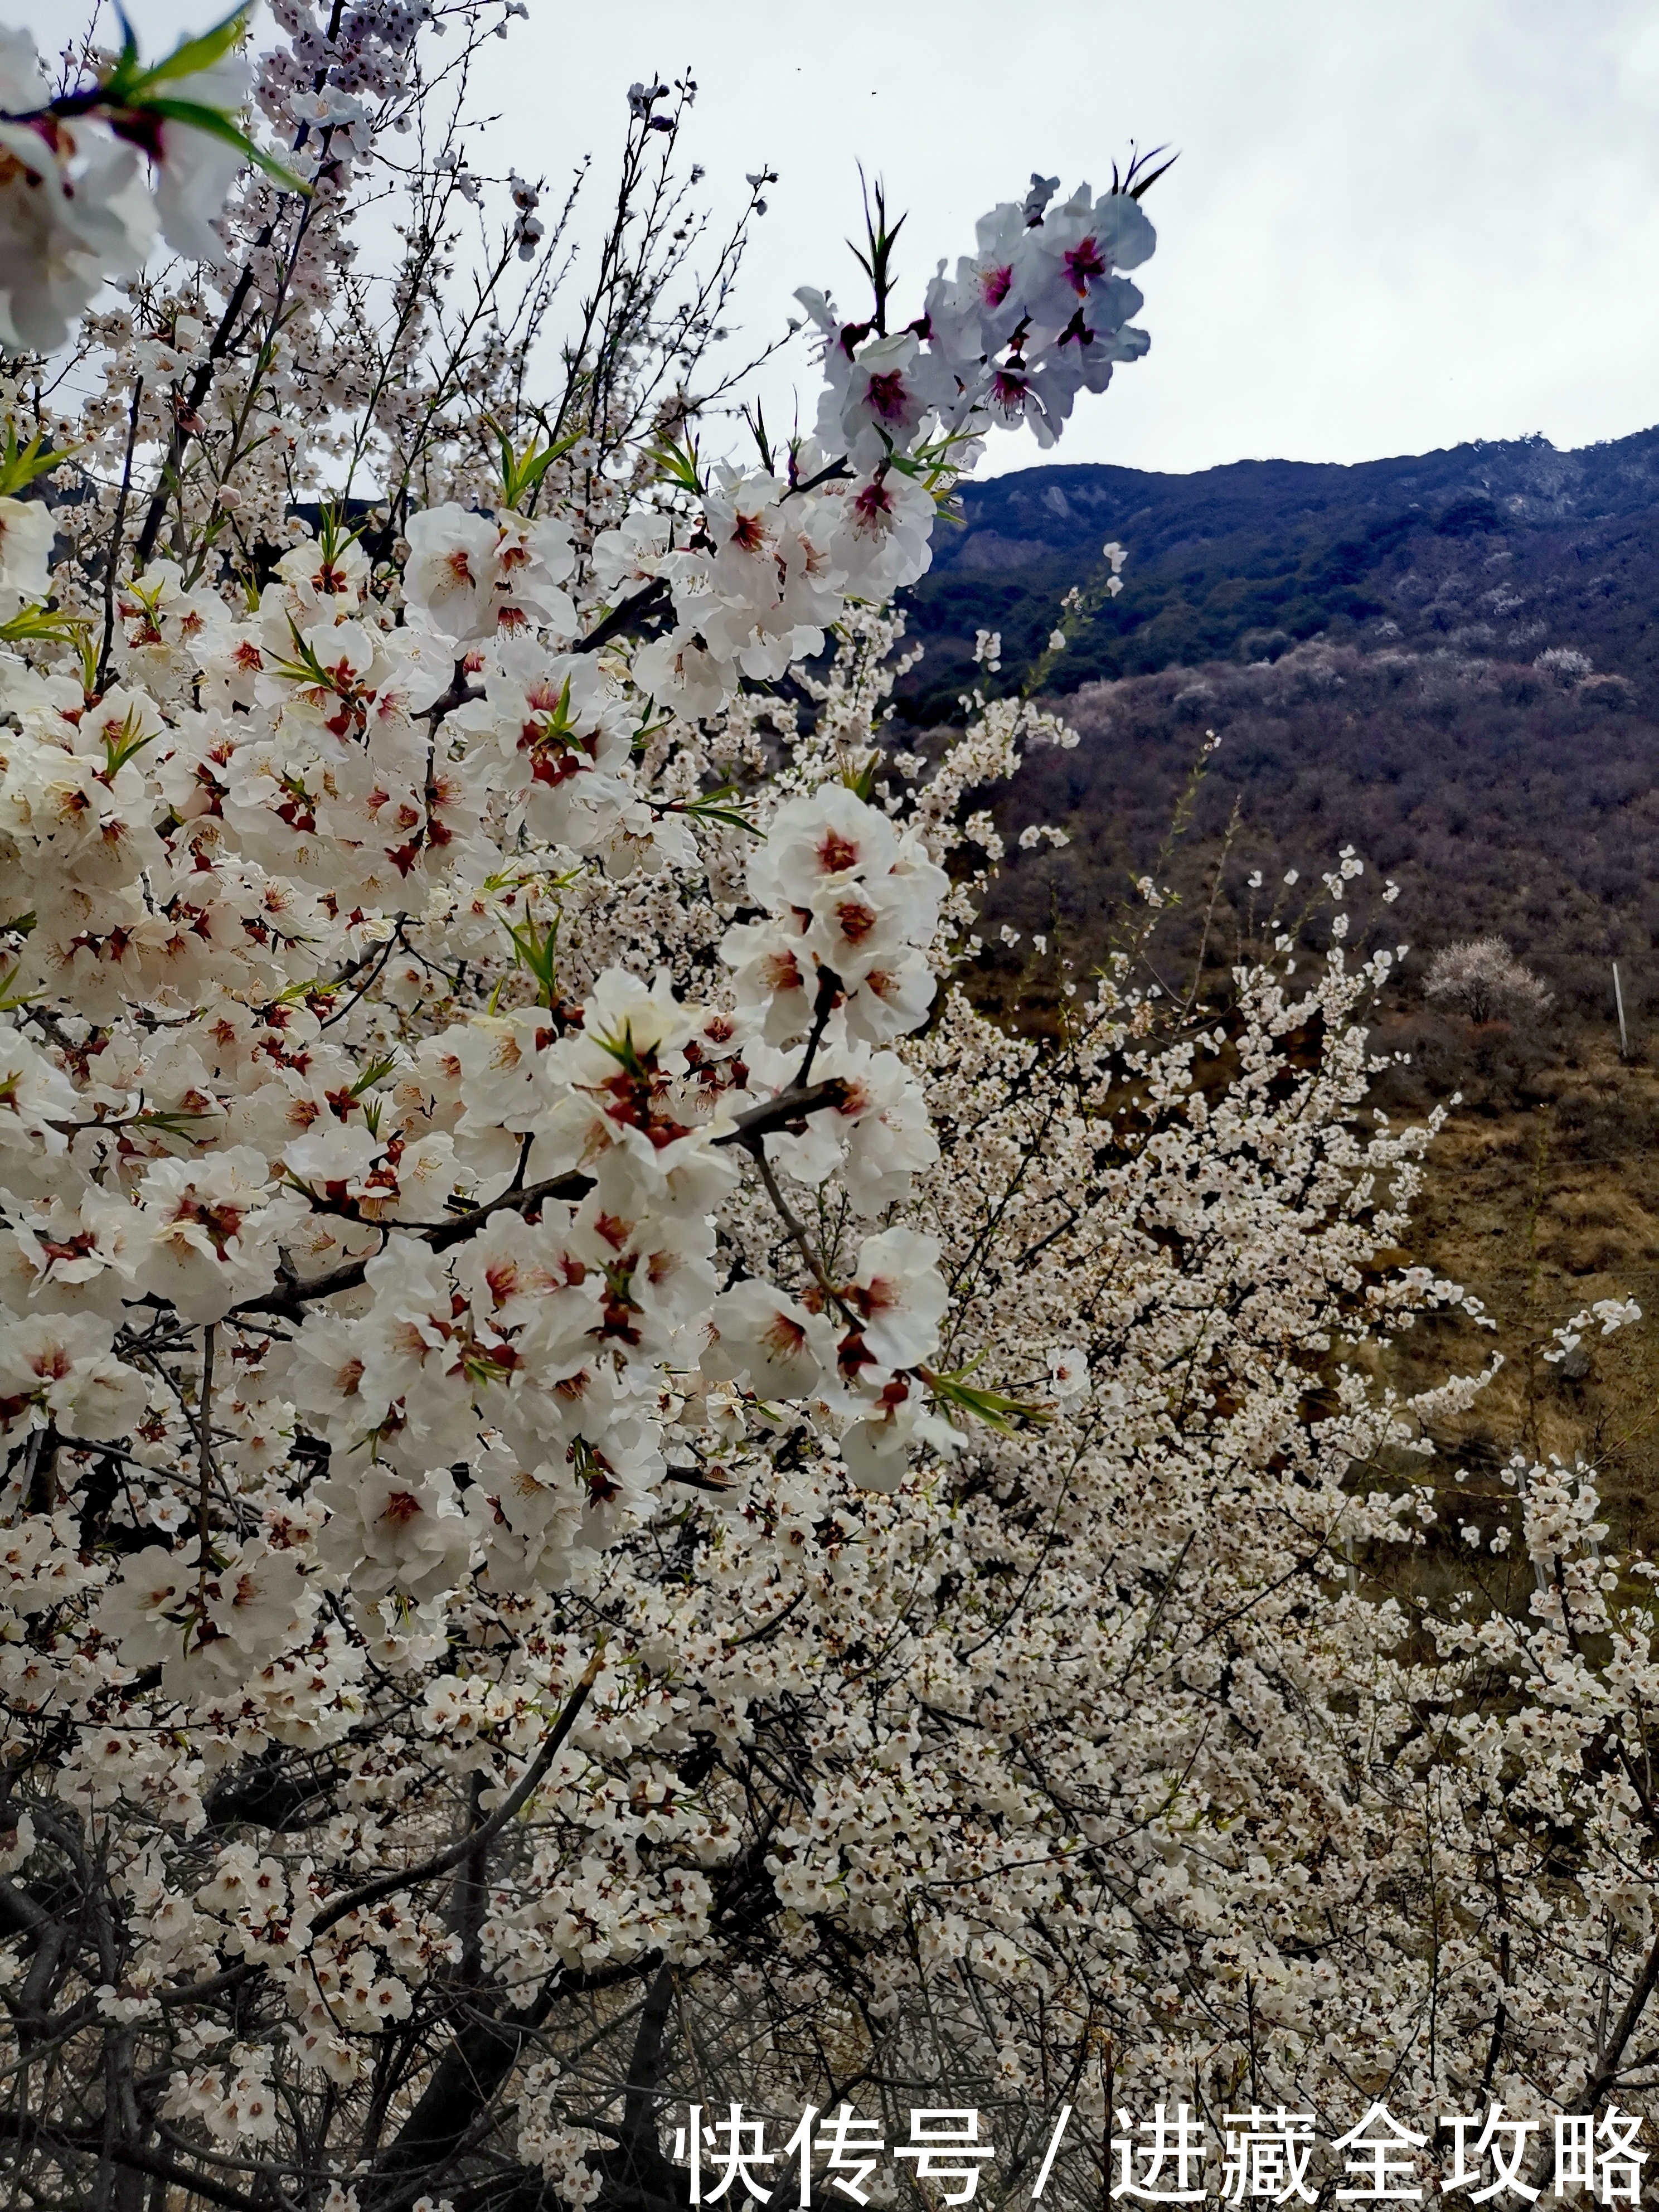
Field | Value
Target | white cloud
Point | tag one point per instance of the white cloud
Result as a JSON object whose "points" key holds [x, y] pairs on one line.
{"points": [[1390, 228]]}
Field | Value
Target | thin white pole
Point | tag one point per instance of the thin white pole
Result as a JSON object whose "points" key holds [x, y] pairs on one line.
{"points": [[1618, 997]]}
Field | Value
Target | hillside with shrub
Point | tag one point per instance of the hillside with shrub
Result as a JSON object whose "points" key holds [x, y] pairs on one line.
{"points": [[1487, 796], [1503, 798]]}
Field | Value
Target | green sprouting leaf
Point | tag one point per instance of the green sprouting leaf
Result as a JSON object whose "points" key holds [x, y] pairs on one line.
{"points": [[522, 472], [169, 1121], [716, 807], [644, 734], [706, 811], [35, 625], [304, 667], [375, 1071], [957, 1394], [20, 465], [1138, 190], [336, 530], [538, 953], [622, 1050], [126, 61], [218, 125], [10, 1000], [755, 418], [118, 750], [862, 782], [191, 56], [678, 464]]}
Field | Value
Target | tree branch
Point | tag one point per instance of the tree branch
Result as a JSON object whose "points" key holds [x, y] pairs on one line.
{"points": [[648, 600], [824, 1006], [637, 2163], [289, 1298], [388, 1885]]}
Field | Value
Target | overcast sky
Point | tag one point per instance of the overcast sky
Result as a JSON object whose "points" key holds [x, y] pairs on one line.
{"points": [[1391, 228]]}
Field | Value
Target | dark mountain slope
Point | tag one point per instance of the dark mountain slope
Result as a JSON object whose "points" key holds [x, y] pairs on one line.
{"points": [[1507, 548]]}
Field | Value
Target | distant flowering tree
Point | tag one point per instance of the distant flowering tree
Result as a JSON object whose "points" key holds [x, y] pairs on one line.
{"points": [[1482, 978], [613, 1501], [1568, 667]]}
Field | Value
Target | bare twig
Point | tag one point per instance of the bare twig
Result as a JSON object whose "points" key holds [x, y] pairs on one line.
{"points": [[388, 1885], [204, 1464], [112, 558]]}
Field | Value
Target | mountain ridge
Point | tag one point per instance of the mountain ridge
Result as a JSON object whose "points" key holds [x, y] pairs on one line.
{"points": [[1502, 546]]}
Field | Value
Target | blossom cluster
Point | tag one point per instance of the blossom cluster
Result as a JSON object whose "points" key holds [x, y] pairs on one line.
{"points": [[1040, 313], [611, 1496], [91, 178], [405, 1043]]}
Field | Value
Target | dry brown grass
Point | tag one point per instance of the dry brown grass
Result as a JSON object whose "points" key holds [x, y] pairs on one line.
{"points": [[1540, 1211]]}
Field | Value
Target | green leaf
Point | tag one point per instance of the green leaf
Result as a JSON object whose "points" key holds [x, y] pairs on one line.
{"points": [[715, 806], [376, 1072], [956, 1395], [538, 953], [622, 1050], [118, 750], [522, 472], [191, 56], [295, 991], [863, 785], [126, 62], [706, 810], [648, 729], [20, 465], [1145, 186], [678, 464], [169, 1121], [34, 624], [221, 126], [304, 667], [10, 999]]}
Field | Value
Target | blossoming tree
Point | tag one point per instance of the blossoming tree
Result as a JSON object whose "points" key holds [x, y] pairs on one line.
{"points": [[613, 1501]]}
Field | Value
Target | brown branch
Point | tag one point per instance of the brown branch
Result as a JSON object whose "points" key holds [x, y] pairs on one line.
{"points": [[792, 1105], [117, 527], [758, 1153], [20, 1915], [204, 1468], [289, 1298], [1606, 2066], [766, 1627], [121, 2153], [388, 1885], [216, 350], [837, 472], [829, 988], [648, 600], [638, 2164]]}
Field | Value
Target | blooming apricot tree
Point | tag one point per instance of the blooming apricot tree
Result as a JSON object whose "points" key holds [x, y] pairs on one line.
{"points": [[1482, 979], [610, 1497]]}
